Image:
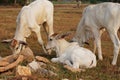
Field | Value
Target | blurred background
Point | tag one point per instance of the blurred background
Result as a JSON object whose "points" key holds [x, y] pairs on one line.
{"points": [[25, 2]]}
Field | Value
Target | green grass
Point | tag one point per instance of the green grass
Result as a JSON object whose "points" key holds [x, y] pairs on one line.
{"points": [[64, 2], [66, 18]]}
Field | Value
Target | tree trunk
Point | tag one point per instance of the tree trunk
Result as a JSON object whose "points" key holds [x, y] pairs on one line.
{"points": [[15, 1]]}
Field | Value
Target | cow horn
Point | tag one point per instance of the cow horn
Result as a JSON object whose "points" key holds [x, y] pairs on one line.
{"points": [[86, 43], [62, 35], [23, 42], [7, 41]]}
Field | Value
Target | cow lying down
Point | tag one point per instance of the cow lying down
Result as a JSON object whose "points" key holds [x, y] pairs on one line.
{"points": [[71, 54]]}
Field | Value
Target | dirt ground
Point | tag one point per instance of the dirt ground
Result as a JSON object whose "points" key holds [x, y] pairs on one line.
{"points": [[66, 18]]}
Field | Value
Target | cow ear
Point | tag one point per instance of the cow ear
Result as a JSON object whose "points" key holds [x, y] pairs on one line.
{"points": [[22, 42], [53, 35], [14, 42], [86, 43], [65, 34]]}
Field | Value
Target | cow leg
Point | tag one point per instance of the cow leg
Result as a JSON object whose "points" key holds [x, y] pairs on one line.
{"points": [[75, 65], [37, 31], [49, 29], [101, 32], [55, 60], [67, 62], [45, 26], [116, 42], [41, 41], [94, 50], [50, 26], [98, 43]]}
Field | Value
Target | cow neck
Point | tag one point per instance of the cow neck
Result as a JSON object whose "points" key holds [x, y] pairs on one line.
{"points": [[19, 35], [61, 46]]}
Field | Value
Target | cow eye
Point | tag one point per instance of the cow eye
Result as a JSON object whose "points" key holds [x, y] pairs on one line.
{"points": [[17, 48], [50, 39]]}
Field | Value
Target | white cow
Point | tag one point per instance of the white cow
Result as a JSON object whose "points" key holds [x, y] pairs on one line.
{"points": [[95, 17], [31, 18], [71, 54]]}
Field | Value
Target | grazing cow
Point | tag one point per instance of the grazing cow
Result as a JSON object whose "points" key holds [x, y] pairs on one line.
{"points": [[71, 54], [31, 18], [96, 17]]}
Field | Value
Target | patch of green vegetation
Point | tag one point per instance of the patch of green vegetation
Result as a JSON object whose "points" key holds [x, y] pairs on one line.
{"points": [[64, 2]]}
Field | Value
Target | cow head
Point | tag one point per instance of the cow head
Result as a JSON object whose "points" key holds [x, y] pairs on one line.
{"points": [[82, 37], [15, 45], [52, 42]]}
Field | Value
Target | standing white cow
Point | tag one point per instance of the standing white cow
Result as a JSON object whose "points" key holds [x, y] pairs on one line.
{"points": [[31, 18], [95, 17]]}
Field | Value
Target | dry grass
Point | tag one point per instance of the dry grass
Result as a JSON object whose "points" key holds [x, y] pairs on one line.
{"points": [[66, 18]]}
